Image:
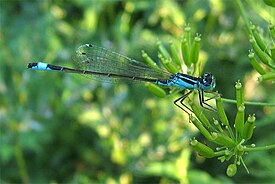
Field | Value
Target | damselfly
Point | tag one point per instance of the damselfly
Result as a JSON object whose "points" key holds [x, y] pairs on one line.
{"points": [[106, 64]]}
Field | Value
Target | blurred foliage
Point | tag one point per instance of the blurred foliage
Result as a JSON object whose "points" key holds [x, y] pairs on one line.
{"points": [[68, 129]]}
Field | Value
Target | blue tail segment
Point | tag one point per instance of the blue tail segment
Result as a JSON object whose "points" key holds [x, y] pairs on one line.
{"points": [[40, 66]]}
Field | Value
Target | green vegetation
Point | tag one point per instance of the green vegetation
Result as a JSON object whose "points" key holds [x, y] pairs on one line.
{"points": [[65, 128]]}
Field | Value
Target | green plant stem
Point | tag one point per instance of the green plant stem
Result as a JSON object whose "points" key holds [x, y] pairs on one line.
{"points": [[243, 15], [244, 165], [261, 148], [249, 103], [21, 164], [229, 129], [19, 157], [219, 153]]}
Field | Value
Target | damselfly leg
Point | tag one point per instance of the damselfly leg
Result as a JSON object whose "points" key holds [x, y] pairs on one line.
{"points": [[181, 99], [203, 102]]}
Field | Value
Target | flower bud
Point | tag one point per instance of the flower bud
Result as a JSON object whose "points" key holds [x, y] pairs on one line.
{"points": [[202, 149], [168, 64], [175, 54], [201, 128], [239, 94], [239, 120], [162, 50], [222, 139], [265, 58], [258, 39], [149, 60], [248, 127], [221, 111], [255, 64], [231, 170], [185, 51], [156, 90], [199, 114], [217, 123], [267, 76], [194, 56]]}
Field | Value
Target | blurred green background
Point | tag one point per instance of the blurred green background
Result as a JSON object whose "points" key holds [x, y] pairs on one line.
{"points": [[63, 128]]}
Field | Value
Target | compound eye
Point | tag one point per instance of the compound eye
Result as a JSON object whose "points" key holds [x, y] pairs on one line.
{"points": [[207, 79]]}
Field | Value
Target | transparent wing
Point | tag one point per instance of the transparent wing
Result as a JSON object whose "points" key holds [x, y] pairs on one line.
{"points": [[93, 58]]}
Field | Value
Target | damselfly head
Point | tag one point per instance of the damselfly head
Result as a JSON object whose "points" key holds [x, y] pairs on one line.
{"points": [[208, 82], [32, 65], [38, 66]]}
